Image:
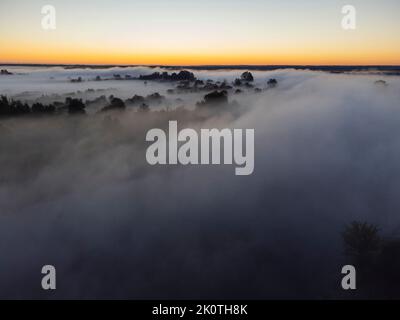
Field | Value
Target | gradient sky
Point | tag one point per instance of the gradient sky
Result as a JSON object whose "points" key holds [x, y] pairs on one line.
{"points": [[200, 32]]}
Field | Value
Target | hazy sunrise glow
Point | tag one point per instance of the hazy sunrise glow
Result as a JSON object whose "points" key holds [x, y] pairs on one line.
{"points": [[206, 32]]}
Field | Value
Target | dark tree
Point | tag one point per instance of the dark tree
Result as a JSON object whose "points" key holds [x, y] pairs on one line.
{"points": [[272, 83], [75, 106], [237, 83], [10, 108], [214, 98], [135, 100], [115, 104], [247, 76], [39, 108]]}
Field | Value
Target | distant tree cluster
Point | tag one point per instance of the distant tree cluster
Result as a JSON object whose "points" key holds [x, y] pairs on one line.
{"points": [[16, 108], [247, 77], [75, 106], [115, 104], [5, 72], [165, 76], [154, 98], [12, 108], [217, 99], [246, 81], [272, 83], [102, 100], [77, 80], [214, 98]]}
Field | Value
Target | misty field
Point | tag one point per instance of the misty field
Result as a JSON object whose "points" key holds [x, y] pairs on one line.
{"points": [[76, 190]]}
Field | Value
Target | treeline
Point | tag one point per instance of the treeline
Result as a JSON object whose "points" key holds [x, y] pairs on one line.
{"points": [[165, 76], [12, 108]]}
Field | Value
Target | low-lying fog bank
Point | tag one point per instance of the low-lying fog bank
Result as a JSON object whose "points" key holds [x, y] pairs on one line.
{"points": [[76, 191]]}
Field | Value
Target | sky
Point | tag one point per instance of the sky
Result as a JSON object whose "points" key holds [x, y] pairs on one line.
{"points": [[207, 32]]}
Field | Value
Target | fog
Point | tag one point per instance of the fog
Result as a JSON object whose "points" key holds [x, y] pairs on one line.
{"points": [[77, 193]]}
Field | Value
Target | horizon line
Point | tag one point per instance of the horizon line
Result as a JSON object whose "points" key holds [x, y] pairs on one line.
{"points": [[195, 65]]}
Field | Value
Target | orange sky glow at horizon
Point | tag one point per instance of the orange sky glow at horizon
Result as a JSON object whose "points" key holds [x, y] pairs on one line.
{"points": [[187, 33]]}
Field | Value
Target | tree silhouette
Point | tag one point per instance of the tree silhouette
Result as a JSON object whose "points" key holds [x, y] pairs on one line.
{"points": [[115, 104], [272, 83], [361, 241], [75, 106], [247, 76]]}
